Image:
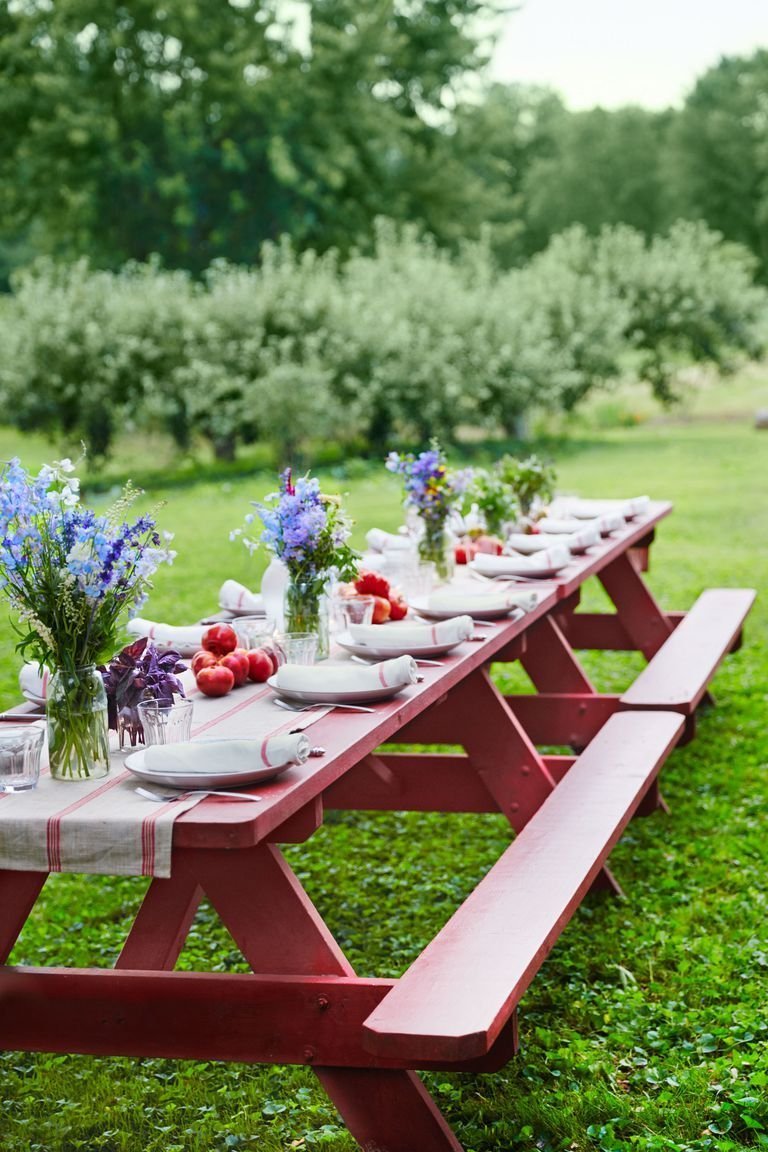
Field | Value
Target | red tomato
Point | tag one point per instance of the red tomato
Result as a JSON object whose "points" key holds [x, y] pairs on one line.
{"points": [[220, 639], [202, 659], [260, 666], [237, 662], [216, 680]]}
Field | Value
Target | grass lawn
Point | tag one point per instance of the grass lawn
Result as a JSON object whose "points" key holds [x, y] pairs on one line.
{"points": [[646, 1028]]}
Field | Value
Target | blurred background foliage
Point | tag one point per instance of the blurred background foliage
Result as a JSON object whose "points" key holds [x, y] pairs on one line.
{"points": [[281, 221]]}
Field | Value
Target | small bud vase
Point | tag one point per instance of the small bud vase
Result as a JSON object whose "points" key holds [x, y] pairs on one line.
{"points": [[76, 718]]}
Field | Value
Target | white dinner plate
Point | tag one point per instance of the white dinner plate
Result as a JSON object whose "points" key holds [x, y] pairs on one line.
{"points": [[184, 650], [194, 780], [392, 650], [236, 613], [473, 607], [33, 699], [353, 696]]}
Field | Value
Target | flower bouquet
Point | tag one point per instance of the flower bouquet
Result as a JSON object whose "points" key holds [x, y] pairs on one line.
{"points": [[495, 499], [71, 575], [308, 531], [430, 493], [532, 480]]}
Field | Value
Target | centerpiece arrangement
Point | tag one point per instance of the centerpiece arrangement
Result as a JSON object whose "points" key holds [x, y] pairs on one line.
{"points": [[71, 576], [494, 497], [429, 491], [309, 532], [532, 480], [139, 672]]}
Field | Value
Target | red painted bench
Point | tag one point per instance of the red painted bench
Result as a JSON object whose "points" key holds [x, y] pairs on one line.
{"points": [[678, 675], [454, 1001]]}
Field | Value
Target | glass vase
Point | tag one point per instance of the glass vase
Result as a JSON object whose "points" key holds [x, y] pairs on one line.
{"points": [[306, 610], [76, 717], [436, 546]]}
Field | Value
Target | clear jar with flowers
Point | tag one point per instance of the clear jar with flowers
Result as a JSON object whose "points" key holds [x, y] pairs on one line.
{"points": [[72, 576], [429, 492], [308, 531]]}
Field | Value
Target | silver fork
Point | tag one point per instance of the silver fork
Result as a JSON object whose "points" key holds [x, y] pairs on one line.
{"points": [[162, 797], [308, 707]]}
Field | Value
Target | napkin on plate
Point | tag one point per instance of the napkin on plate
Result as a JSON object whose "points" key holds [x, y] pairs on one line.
{"points": [[610, 522], [214, 756], [380, 541], [446, 600], [418, 635], [183, 638], [347, 678], [576, 541], [556, 556], [33, 681], [559, 526], [591, 509], [237, 598]]}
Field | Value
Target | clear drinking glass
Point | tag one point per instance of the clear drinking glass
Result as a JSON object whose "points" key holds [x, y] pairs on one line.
{"points": [[20, 750], [355, 610], [299, 647], [254, 631], [166, 723]]}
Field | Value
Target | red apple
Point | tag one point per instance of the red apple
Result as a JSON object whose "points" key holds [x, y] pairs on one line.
{"points": [[237, 662], [398, 609], [216, 680], [202, 659], [381, 610], [275, 655], [220, 639], [260, 666]]}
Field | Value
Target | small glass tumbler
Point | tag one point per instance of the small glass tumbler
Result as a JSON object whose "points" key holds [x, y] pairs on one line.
{"points": [[299, 647], [20, 750], [254, 631], [421, 582], [355, 610], [166, 723]]}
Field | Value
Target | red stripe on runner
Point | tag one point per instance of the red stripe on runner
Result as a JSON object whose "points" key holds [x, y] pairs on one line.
{"points": [[148, 838], [53, 828], [231, 711]]}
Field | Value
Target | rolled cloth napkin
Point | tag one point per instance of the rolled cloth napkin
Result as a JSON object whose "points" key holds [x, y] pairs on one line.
{"points": [[206, 756], [590, 509], [610, 522], [419, 635], [577, 541], [380, 541], [33, 680], [445, 600], [557, 556], [347, 678], [168, 635], [237, 598]]}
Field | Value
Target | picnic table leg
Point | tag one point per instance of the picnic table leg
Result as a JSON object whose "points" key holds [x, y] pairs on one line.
{"points": [[385, 1110], [551, 663], [18, 894], [642, 618]]}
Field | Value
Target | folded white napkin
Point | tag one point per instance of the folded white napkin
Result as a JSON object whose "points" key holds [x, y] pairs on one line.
{"points": [[419, 635], [168, 635], [346, 677], [237, 598], [577, 541], [380, 541], [589, 509], [33, 680], [445, 600], [557, 556], [556, 526], [207, 756], [611, 522]]}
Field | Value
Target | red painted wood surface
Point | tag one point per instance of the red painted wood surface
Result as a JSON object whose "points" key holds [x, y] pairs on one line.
{"points": [[602, 631], [678, 675], [458, 994]]}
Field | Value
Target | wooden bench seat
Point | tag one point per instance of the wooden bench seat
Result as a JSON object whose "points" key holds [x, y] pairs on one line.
{"points": [[676, 678], [454, 1001]]}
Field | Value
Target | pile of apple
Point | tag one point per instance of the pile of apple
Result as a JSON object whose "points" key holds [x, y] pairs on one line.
{"points": [[388, 604], [469, 547], [220, 665]]}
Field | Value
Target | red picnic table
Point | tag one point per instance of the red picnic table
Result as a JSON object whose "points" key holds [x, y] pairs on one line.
{"points": [[456, 1006]]}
